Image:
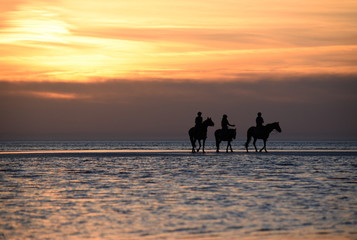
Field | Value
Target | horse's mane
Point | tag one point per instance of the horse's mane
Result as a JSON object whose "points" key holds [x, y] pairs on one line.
{"points": [[271, 124]]}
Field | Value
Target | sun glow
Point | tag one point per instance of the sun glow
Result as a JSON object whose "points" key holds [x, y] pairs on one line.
{"points": [[35, 24], [56, 53]]}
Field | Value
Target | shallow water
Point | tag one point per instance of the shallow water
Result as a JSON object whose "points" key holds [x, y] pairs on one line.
{"points": [[179, 195]]}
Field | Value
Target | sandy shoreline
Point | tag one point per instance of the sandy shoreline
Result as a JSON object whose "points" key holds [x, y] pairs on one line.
{"points": [[163, 152]]}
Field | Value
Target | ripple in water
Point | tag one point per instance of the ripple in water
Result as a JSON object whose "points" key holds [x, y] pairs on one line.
{"points": [[179, 196]]}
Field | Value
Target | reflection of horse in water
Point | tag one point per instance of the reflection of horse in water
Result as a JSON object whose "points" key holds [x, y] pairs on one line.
{"points": [[227, 135], [262, 133], [200, 134]]}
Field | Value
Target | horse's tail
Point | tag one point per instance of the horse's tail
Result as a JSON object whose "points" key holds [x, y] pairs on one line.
{"points": [[217, 134], [249, 137], [191, 133]]}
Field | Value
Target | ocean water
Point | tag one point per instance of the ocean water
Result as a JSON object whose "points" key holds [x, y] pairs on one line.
{"points": [[160, 190]]}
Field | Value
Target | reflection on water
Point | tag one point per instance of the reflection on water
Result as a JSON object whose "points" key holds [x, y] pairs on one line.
{"points": [[185, 196]]}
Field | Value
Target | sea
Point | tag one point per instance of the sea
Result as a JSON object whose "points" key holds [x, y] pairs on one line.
{"points": [[298, 190]]}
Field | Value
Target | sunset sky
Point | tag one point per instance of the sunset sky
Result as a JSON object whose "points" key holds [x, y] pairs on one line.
{"points": [[115, 69]]}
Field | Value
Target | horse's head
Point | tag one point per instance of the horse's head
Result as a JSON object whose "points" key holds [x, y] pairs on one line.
{"points": [[277, 126], [209, 122]]}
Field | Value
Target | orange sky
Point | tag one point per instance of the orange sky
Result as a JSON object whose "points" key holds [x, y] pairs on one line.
{"points": [[80, 40], [117, 69]]}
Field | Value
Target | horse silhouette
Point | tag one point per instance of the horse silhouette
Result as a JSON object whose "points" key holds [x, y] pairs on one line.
{"points": [[200, 134], [228, 136], [262, 133]]}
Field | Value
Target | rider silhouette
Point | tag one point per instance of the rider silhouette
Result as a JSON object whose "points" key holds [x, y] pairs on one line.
{"points": [[259, 121], [198, 121], [225, 123]]}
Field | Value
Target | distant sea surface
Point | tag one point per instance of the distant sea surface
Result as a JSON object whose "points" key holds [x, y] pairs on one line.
{"points": [[160, 190]]}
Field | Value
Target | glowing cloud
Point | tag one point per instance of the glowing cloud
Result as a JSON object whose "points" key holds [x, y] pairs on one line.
{"points": [[81, 40]]}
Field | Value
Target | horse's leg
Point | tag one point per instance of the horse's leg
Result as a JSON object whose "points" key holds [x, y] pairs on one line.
{"points": [[203, 145], [229, 146], [248, 141], [217, 145], [254, 141], [265, 146], [199, 145], [193, 141]]}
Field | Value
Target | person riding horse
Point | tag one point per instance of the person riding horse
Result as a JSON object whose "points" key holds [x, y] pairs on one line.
{"points": [[225, 134], [199, 132], [262, 134], [225, 123], [260, 131]]}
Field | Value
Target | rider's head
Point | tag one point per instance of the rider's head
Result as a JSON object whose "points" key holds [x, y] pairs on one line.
{"points": [[224, 116], [259, 114], [199, 113]]}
